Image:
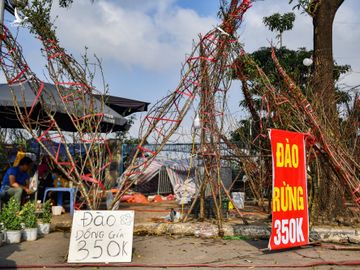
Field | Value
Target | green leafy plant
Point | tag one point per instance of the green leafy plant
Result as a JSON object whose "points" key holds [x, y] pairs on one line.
{"points": [[236, 237], [46, 214], [28, 215], [10, 215], [280, 23]]}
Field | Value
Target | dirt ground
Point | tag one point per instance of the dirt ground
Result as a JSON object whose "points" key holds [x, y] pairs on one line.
{"points": [[155, 212], [52, 249]]}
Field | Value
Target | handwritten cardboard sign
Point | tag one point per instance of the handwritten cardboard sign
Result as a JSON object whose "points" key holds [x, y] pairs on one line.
{"points": [[101, 236]]}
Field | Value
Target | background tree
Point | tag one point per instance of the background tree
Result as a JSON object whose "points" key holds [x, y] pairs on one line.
{"points": [[292, 62], [67, 3], [323, 14], [264, 115], [280, 23]]}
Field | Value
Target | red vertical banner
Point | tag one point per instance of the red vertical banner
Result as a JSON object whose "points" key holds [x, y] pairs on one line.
{"points": [[290, 217]]}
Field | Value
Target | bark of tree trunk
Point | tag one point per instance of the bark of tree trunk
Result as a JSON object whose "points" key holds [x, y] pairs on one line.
{"points": [[327, 202], [323, 80]]}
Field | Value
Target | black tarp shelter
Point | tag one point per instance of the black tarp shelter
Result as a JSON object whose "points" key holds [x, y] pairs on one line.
{"points": [[113, 120], [125, 106]]}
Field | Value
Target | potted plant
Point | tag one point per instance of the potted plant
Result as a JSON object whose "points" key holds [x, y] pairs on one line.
{"points": [[45, 219], [12, 222], [29, 219]]}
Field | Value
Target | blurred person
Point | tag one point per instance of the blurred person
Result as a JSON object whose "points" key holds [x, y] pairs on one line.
{"points": [[16, 179]]}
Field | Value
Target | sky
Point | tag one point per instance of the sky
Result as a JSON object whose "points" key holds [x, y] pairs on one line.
{"points": [[142, 43]]}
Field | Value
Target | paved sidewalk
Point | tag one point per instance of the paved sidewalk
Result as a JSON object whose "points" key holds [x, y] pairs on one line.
{"points": [[172, 250]]}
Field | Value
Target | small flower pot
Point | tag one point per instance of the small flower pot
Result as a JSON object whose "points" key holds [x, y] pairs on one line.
{"points": [[13, 237], [43, 228], [56, 210], [30, 234]]}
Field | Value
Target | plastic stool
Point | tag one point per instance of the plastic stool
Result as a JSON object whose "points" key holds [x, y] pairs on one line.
{"points": [[60, 190]]}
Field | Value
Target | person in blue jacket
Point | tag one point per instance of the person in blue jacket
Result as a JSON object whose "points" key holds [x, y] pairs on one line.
{"points": [[16, 179]]}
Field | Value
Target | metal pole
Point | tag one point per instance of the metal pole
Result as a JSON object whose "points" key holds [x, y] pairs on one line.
{"points": [[122, 159], [2, 9]]}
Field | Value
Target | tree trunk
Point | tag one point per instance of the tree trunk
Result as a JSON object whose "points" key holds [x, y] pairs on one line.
{"points": [[323, 80], [327, 201]]}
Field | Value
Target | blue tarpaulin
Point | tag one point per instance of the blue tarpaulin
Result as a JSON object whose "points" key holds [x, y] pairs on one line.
{"points": [[75, 149]]}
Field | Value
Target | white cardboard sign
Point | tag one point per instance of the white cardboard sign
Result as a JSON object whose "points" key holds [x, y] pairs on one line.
{"points": [[101, 236]]}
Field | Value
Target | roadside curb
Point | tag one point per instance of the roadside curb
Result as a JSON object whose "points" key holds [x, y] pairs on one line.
{"points": [[247, 232]]}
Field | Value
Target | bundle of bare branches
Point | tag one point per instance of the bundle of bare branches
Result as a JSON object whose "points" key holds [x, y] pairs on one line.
{"points": [[75, 92]]}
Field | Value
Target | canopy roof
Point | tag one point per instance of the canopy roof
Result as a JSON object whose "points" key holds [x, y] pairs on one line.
{"points": [[125, 106], [112, 121]]}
